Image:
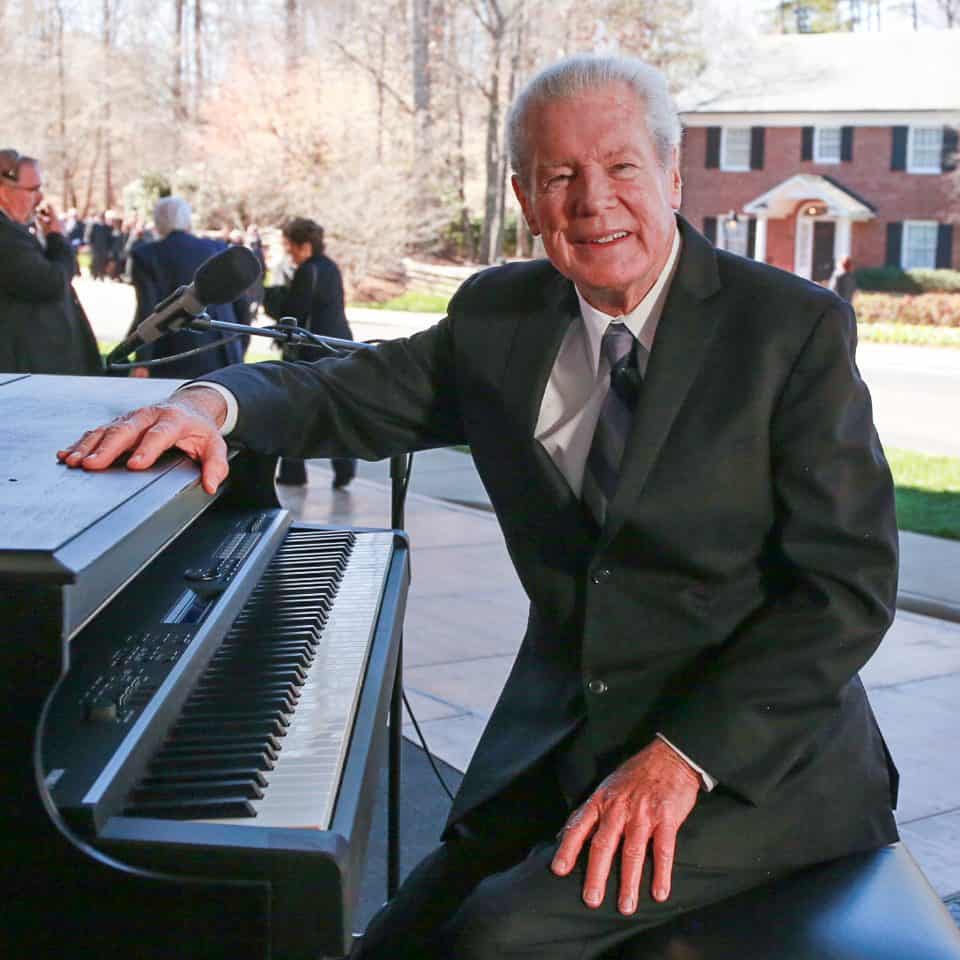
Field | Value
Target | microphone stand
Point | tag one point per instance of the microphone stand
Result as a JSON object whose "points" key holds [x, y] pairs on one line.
{"points": [[400, 466]]}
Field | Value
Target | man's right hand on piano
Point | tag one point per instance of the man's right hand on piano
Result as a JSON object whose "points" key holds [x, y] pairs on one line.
{"points": [[190, 420]]}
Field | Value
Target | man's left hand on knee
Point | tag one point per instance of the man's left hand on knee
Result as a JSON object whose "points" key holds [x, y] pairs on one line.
{"points": [[644, 801]]}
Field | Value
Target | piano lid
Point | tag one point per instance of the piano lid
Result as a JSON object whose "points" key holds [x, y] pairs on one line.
{"points": [[88, 531]]}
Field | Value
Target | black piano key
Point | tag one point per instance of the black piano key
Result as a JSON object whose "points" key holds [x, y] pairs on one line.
{"points": [[227, 698], [253, 761], [228, 673], [198, 789], [220, 750], [254, 728], [213, 808], [165, 777], [268, 743], [216, 716]]}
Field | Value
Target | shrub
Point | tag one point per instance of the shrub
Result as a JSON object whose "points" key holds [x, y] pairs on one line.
{"points": [[923, 309], [895, 280]]}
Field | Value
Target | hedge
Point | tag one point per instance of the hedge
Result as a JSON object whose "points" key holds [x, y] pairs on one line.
{"points": [[895, 280], [922, 309]]}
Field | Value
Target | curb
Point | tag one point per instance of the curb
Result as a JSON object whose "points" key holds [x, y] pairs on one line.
{"points": [[928, 606]]}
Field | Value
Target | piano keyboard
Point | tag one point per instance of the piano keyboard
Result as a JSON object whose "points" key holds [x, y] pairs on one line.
{"points": [[261, 740]]}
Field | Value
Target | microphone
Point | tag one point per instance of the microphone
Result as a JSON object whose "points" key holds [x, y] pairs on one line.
{"points": [[221, 279]]}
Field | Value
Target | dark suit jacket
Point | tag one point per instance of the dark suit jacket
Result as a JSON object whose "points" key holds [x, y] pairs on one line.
{"points": [[747, 568], [43, 328], [161, 267], [315, 298]]}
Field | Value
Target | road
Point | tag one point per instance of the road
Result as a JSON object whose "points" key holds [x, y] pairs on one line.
{"points": [[916, 390]]}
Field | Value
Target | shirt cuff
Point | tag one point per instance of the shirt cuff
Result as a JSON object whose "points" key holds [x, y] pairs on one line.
{"points": [[708, 782], [233, 408]]}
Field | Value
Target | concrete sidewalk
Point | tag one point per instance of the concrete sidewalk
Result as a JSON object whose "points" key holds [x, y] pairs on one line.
{"points": [[466, 614]]}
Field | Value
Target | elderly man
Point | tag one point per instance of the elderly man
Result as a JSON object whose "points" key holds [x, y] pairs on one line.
{"points": [[159, 268], [680, 452], [43, 328]]}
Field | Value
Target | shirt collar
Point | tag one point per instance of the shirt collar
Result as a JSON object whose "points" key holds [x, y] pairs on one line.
{"points": [[642, 320]]}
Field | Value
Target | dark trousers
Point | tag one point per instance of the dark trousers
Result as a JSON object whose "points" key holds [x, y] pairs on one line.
{"points": [[294, 471], [488, 892]]}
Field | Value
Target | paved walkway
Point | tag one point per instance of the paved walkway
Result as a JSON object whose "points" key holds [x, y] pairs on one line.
{"points": [[466, 613]]}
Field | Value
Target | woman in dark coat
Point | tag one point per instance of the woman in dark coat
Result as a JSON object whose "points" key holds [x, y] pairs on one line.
{"points": [[315, 299]]}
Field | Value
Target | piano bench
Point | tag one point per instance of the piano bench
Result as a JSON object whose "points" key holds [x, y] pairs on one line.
{"points": [[870, 906]]}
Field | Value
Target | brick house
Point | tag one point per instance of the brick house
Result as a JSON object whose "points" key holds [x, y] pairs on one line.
{"points": [[806, 148]]}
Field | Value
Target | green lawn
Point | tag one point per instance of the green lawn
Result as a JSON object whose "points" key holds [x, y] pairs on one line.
{"points": [[928, 493], [414, 301]]}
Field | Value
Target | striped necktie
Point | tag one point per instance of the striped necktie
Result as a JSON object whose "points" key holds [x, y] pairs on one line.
{"points": [[627, 362]]}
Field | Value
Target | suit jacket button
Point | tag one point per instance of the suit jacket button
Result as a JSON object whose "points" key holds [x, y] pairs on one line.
{"points": [[597, 687], [602, 575]]}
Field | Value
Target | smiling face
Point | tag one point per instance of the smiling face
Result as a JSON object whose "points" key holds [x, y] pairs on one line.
{"points": [[598, 195]]}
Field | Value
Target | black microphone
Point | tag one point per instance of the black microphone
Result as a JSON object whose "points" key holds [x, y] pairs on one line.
{"points": [[221, 279]]}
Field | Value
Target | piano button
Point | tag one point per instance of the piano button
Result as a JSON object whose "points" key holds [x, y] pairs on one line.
{"points": [[214, 808]]}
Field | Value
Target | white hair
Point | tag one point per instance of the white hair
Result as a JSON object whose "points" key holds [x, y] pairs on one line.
{"points": [[577, 74], [172, 213]]}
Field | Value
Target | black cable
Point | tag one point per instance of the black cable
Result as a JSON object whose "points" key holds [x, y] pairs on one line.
{"points": [[160, 361], [91, 851], [426, 749]]}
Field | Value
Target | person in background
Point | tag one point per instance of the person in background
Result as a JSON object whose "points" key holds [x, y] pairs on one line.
{"points": [[43, 328], [161, 267], [98, 237], [315, 300], [844, 280]]}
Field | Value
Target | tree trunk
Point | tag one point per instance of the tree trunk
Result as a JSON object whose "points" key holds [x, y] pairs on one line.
{"points": [[491, 239], [108, 193], [197, 55], [179, 113], [291, 34], [422, 116]]}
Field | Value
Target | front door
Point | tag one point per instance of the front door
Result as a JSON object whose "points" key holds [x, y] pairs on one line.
{"points": [[823, 239]]}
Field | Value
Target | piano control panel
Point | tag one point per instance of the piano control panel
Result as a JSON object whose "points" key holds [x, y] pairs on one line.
{"points": [[119, 681]]}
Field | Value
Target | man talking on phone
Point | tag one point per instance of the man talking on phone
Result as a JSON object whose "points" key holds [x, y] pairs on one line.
{"points": [[43, 328]]}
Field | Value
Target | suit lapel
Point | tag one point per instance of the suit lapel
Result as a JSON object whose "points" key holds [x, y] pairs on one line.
{"points": [[680, 347], [535, 346]]}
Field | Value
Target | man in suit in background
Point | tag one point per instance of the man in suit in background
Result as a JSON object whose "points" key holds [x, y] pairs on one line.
{"points": [[43, 328], [161, 267], [681, 454]]}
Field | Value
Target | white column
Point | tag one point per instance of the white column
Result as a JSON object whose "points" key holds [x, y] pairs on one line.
{"points": [[841, 239], [760, 239]]}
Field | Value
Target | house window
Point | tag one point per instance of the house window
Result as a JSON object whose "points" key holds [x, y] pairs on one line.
{"points": [[925, 150], [735, 148], [733, 233], [827, 144], [919, 250]]}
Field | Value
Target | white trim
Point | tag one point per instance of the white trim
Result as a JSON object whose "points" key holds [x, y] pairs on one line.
{"points": [[781, 200], [817, 144], [825, 118], [903, 243], [760, 240], [724, 165], [911, 131]]}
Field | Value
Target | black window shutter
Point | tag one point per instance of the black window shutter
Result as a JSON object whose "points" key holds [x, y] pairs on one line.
{"points": [[752, 238], [806, 148], [898, 158], [894, 240], [846, 144], [713, 147], [710, 229], [949, 156], [756, 148], [945, 246]]}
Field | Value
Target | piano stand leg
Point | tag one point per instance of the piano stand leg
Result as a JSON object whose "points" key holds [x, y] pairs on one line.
{"points": [[394, 772]]}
